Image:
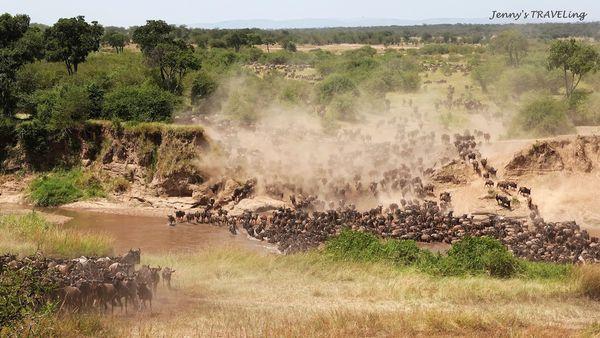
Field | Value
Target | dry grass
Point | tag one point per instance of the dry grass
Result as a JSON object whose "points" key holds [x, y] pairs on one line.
{"points": [[228, 292], [589, 281]]}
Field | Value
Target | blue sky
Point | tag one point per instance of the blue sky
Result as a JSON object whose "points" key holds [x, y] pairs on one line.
{"points": [[135, 12]]}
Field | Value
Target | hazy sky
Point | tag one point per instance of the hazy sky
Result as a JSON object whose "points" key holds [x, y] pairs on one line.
{"points": [[135, 12]]}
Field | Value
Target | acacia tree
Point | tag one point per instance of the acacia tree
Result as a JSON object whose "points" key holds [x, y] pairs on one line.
{"points": [[512, 43], [575, 59], [19, 44], [172, 57], [116, 40], [71, 40]]}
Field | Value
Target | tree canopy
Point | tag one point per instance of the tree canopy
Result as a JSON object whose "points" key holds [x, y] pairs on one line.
{"points": [[171, 56], [19, 44], [116, 40], [512, 43], [71, 40], [575, 59]]}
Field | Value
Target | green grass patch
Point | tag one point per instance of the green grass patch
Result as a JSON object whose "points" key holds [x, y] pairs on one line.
{"points": [[469, 256], [49, 238], [62, 187]]}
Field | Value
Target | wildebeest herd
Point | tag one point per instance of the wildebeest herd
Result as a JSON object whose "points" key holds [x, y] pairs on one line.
{"points": [[420, 218], [100, 283]]}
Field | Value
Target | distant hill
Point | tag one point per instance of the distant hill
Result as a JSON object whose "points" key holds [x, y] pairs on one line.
{"points": [[327, 23]]}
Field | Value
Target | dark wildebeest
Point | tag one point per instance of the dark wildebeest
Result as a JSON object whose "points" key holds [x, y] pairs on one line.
{"points": [[144, 294], [483, 162], [512, 185], [524, 191], [155, 278], [489, 184], [445, 197], [492, 171], [132, 257], [171, 220], [189, 217], [502, 185], [106, 293], [504, 201], [179, 214], [127, 289], [166, 276]]}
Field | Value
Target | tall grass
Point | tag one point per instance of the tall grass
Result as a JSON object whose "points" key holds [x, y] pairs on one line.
{"points": [[589, 280], [32, 233]]}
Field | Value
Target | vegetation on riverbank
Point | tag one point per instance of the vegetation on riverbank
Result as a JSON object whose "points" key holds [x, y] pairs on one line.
{"points": [[469, 257], [31, 233]]}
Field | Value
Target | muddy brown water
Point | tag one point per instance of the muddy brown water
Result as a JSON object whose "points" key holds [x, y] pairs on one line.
{"points": [[152, 234]]}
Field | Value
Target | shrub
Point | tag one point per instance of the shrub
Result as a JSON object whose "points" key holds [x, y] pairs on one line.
{"points": [[355, 246], [143, 103], [334, 85], [203, 86], [62, 187], [583, 108], [405, 252], [35, 139], [7, 136], [343, 107], [24, 292], [475, 255], [543, 116], [62, 107]]}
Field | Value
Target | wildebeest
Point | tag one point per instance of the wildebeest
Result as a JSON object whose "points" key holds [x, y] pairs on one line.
{"points": [[132, 257], [524, 191], [144, 294], [171, 220], [179, 214], [489, 184], [155, 277], [503, 201], [106, 293], [445, 197], [492, 171], [166, 276], [71, 296], [502, 185]]}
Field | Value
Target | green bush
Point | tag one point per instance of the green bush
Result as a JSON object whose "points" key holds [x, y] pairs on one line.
{"points": [[583, 108], [143, 103], [355, 246], [334, 85], [543, 116], [62, 107], [35, 139], [203, 86], [474, 255], [8, 136], [23, 293], [62, 187]]}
